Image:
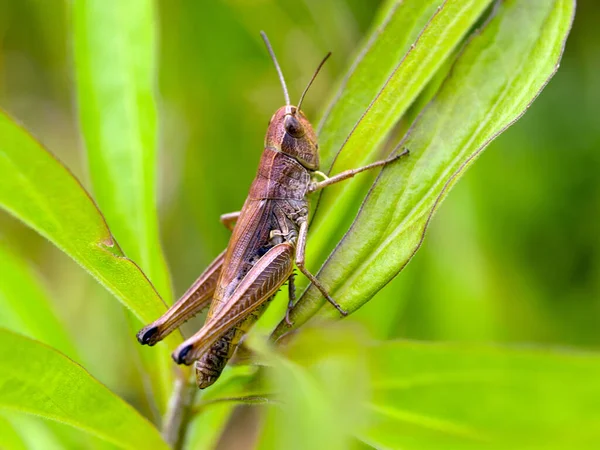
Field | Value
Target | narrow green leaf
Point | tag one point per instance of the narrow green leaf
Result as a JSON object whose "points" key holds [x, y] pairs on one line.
{"points": [[114, 43], [25, 306], [399, 59], [431, 396], [41, 192], [40, 434], [39, 380], [320, 385], [495, 79], [114, 50], [216, 404], [205, 429], [9, 437], [334, 383]]}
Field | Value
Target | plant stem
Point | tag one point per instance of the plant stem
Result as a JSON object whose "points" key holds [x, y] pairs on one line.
{"points": [[179, 409]]}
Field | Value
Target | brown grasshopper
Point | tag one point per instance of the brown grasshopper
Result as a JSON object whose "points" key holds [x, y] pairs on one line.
{"points": [[268, 238]]}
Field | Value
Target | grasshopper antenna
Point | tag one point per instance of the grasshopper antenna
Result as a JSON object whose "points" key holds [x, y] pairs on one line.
{"points": [[279, 72], [312, 79]]}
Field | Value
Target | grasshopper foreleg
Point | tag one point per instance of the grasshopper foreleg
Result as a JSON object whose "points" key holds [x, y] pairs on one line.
{"points": [[229, 219], [300, 254], [328, 181]]}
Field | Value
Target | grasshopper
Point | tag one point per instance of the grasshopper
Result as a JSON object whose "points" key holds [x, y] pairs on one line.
{"points": [[268, 239]]}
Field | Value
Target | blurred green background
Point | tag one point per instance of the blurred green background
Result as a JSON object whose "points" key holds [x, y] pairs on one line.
{"points": [[513, 255]]}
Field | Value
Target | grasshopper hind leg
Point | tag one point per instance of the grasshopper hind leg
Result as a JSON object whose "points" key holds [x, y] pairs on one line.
{"points": [[196, 298]]}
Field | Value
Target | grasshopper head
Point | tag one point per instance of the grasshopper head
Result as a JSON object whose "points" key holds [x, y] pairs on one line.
{"points": [[291, 133]]}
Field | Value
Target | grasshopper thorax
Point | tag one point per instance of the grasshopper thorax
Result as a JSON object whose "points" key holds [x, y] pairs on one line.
{"points": [[291, 133]]}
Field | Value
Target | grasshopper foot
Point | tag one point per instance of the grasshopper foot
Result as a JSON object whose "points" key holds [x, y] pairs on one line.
{"points": [[405, 152], [287, 318], [336, 305], [180, 355], [149, 335]]}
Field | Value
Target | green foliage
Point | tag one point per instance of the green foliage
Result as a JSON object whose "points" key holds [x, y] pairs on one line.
{"points": [[41, 192], [385, 79], [26, 307], [50, 385], [37, 189], [323, 391], [496, 77], [115, 70], [401, 394], [9, 438], [326, 387], [218, 403], [451, 396]]}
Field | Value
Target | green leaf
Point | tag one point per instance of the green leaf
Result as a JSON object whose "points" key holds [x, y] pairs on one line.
{"points": [[320, 385], [431, 396], [9, 438], [333, 384], [403, 53], [25, 305], [217, 403], [40, 434], [38, 380], [42, 193], [204, 430], [114, 50], [495, 79]]}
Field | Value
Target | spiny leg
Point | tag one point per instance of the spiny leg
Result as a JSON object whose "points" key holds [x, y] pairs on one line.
{"points": [[262, 281], [328, 181], [195, 299], [291, 298], [300, 254]]}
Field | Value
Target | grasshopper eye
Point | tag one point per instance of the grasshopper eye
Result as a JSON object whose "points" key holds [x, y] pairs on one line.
{"points": [[293, 127]]}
